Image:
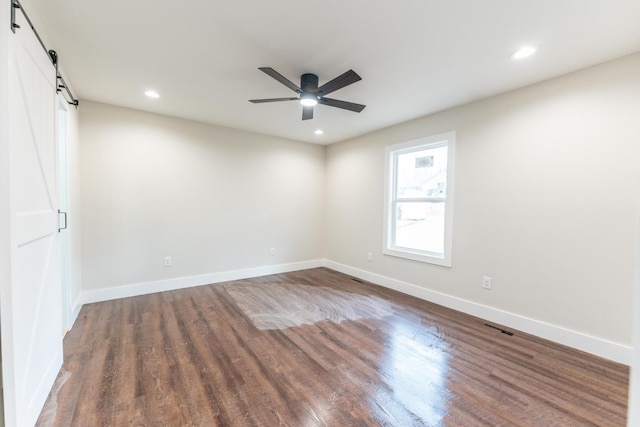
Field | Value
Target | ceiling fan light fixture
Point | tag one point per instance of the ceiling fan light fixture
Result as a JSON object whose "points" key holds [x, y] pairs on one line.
{"points": [[308, 100]]}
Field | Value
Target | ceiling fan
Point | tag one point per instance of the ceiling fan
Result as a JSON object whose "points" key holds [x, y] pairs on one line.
{"points": [[310, 94]]}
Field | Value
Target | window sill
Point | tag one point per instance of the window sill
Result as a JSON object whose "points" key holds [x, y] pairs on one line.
{"points": [[442, 261]]}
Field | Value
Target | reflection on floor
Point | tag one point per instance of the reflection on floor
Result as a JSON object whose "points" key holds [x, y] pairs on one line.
{"points": [[285, 305], [48, 413]]}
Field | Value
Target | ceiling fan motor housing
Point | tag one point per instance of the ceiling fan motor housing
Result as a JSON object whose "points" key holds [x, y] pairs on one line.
{"points": [[309, 83]]}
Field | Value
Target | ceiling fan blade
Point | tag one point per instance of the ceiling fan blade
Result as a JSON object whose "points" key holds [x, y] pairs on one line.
{"points": [[279, 77], [351, 106], [339, 82], [258, 101], [307, 113]]}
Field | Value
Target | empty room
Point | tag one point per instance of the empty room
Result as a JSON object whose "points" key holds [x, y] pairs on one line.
{"points": [[251, 213]]}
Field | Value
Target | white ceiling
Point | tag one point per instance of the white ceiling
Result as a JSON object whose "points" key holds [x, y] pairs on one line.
{"points": [[415, 57]]}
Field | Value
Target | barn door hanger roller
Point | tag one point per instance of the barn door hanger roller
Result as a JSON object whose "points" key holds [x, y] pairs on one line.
{"points": [[61, 85]]}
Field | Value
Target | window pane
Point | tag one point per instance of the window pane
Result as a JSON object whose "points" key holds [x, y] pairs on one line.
{"points": [[422, 173], [420, 225]]}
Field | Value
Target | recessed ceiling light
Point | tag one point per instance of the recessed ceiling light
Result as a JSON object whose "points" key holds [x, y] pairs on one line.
{"points": [[152, 94], [319, 132], [523, 52]]}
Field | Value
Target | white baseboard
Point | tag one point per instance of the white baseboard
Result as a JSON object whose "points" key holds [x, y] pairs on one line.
{"points": [[609, 350], [136, 289]]}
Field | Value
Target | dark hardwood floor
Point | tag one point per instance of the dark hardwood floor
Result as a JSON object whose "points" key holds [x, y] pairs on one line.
{"points": [[329, 351]]}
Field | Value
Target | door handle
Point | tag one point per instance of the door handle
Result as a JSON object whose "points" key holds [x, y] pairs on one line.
{"points": [[65, 220]]}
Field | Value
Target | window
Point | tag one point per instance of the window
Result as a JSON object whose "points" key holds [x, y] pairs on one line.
{"points": [[419, 199]]}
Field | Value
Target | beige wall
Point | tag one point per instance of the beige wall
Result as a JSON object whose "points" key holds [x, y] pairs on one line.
{"points": [[546, 201], [212, 198]]}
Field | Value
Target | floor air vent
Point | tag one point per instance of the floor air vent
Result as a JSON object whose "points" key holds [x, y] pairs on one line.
{"points": [[500, 329]]}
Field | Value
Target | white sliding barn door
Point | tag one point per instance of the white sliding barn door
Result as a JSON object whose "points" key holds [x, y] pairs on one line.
{"points": [[36, 331]]}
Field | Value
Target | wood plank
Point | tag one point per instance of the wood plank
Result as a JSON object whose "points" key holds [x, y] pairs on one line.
{"points": [[194, 357]]}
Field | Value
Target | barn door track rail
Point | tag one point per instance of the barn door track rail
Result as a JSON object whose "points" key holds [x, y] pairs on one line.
{"points": [[61, 85]]}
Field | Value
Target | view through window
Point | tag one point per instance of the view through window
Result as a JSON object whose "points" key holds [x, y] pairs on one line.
{"points": [[418, 223]]}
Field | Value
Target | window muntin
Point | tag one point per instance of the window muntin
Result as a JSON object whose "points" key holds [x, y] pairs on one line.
{"points": [[419, 199]]}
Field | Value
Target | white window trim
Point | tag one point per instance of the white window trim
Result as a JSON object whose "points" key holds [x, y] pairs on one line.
{"points": [[449, 139]]}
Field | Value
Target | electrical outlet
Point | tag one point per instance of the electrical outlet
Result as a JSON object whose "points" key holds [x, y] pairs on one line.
{"points": [[369, 256], [272, 251], [167, 261], [486, 283]]}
